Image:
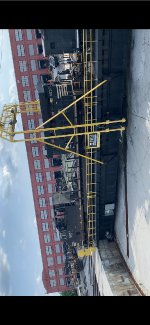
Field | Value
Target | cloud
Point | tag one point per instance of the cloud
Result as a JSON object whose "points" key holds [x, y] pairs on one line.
{"points": [[1, 99], [5, 171], [4, 274], [22, 243], [3, 233], [39, 286], [8, 168], [34, 221], [13, 96], [38, 279]]}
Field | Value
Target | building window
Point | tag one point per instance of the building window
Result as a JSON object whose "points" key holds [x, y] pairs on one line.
{"points": [[50, 261], [49, 186], [64, 258], [29, 113], [35, 79], [44, 214], [44, 151], [42, 64], [33, 65], [22, 66], [45, 79], [57, 248], [47, 238], [53, 225], [45, 226], [56, 237], [52, 213], [61, 281], [40, 121], [35, 151], [59, 260], [36, 94], [42, 202], [109, 209], [58, 174], [31, 49], [29, 108], [27, 95], [56, 162], [46, 163], [20, 50], [25, 81], [38, 177], [60, 271], [48, 250], [50, 201], [38, 33], [52, 45], [40, 190], [62, 248], [37, 164], [31, 125], [33, 136], [53, 283], [48, 176], [40, 48], [51, 273], [29, 34], [18, 34]]}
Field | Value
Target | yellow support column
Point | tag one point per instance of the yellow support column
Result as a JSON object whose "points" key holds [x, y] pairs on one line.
{"points": [[86, 251]]}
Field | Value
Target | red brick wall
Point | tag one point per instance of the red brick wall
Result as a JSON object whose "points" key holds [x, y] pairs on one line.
{"points": [[20, 88]]}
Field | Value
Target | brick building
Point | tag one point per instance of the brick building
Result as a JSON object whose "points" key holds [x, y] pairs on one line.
{"points": [[30, 65]]}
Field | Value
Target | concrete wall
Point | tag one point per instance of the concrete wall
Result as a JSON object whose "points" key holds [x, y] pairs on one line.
{"points": [[138, 166]]}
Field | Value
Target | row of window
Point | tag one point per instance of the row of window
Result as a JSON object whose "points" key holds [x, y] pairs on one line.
{"points": [[44, 215], [27, 95], [45, 226], [60, 260], [48, 249], [37, 164], [39, 177], [42, 202], [21, 50], [52, 272], [40, 189], [47, 238], [34, 65], [25, 80], [31, 125], [18, 34], [53, 282], [33, 136], [32, 49], [23, 65]]}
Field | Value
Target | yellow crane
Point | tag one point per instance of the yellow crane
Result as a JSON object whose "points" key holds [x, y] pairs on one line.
{"points": [[9, 132], [89, 129]]}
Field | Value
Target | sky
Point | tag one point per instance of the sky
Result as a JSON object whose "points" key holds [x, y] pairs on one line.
{"points": [[20, 257]]}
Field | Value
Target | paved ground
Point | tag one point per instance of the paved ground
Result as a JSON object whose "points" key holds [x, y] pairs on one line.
{"points": [[112, 275], [138, 165], [86, 277]]}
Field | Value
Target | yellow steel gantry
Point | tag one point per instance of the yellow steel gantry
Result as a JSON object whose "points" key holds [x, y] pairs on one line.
{"points": [[9, 132]]}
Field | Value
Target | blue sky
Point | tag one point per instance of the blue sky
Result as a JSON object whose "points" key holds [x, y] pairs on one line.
{"points": [[20, 258]]}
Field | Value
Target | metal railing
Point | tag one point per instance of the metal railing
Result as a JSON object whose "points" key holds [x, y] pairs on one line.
{"points": [[89, 106]]}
